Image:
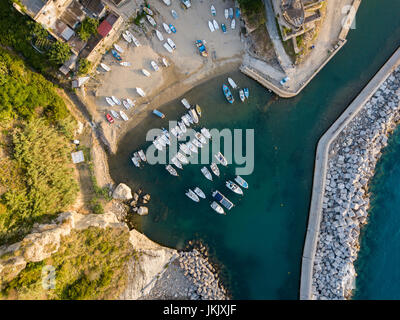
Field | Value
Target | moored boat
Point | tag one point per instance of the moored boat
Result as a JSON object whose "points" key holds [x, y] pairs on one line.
{"points": [[241, 95], [237, 13], [198, 110], [142, 155], [199, 192], [221, 159], [125, 64], [241, 182], [222, 200], [192, 147], [230, 13], [182, 127], [189, 118], [200, 137], [206, 173], [192, 195], [175, 161], [158, 113], [232, 83], [246, 92], [184, 148], [148, 11], [165, 62], [223, 27], [234, 187], [197, 143], [116, 55], [171, 26], [171, 170], [206, 133], [185, 120], [227, 93], [185, 103], [182, 158], [217, 208], [215, 169], [135, 161], [126, 104], [157, 144], [194, 116], [174, 14]]}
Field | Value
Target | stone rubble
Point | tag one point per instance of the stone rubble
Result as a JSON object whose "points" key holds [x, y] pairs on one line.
{"points": [[351, 164]]}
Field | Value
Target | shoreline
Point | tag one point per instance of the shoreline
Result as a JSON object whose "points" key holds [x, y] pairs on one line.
{"points": [[340, 198]]}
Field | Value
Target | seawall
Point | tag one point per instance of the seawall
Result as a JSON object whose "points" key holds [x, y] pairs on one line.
{"points": [[321, 169]]}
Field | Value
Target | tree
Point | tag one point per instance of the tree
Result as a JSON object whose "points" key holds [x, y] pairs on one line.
{"points": [[87, 28], [59, 52], [84, 66]]}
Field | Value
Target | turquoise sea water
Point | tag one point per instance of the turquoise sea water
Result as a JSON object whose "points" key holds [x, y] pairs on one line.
{"points": [[259, 243]]}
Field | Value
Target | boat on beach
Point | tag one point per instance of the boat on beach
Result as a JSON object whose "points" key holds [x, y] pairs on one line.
{"points": [[140, 92], [216, 26], [202, 48], [159, 35], [199, 192], [234, 187], [167, 2], [151, 20], [175, 161], [185, 103], [192, 195], [127, 38], [217, 208], [246, 92], [174, 14], [192, 147], [166, 28], [154, 65], [237, 13], [233, 24], [126, 104], [168, 47], [130, 102], [226, 13], [211, 26], [206, 173], [241, 182], [241, 95], [116, 100], [161, 141], [171, 44], [142, 155], [221, 159], [123, 115], [230, 13], [222, 200], [105, 67], [215, 169], [158, 113], [227, 93], [146, 73], [148, 11], [171, 26], [206, 133], [198, 110], [115, 114], [116, 55], [171, 170], [118, 48], [213, 11], [130, 35], [194, 116], [125, 64], [110, 101], [165, 62], [223, 27]]}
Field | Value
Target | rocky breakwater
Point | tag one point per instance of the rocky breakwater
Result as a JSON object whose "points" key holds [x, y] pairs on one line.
{"points": [[351, 163]]}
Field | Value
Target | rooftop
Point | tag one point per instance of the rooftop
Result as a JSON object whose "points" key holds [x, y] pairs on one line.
{"points": [[96, 7], [33, 6], [293, 11]]}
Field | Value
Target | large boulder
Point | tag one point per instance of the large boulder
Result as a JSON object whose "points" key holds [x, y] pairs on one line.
{"points": [[122, 192]]}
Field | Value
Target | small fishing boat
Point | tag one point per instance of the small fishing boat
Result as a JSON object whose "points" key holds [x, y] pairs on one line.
{"points": [[232, 83], [118, 48], [223, 27], [198, 110], [105, 67], [226, 14], [126, 104], [194, 116], [158, 113], [174, 132], [165, 62], [182, 127], [206, 133], [171, 26], [189, 117], [165, 131], [230, 13], [215, 169], [123, 115], [154, 65], [171, 170], [185, 121], [157, 145], [110, 119], [192, 195], [171, 43], [222, 199], [151, 20], [135, 41], [116, 100], [202, 48], [206, 173], [166, 28], [211, 26], [182, 158], [184, 148], [199, 192], [246, 92], [233, 24], [197, 143], [241, 95], [115, 114], [140, 92], [217, 208], [175, 161], [127, 38], [135, 160], [237, 13], [221, 159], [116, 55], [130, 102], [148, 11], [241, 182], [178, 131], [213, 11], [200, 137], [159, 35], [216, 26], [234, 187], [168, 47], [185, 103], [227, 93], [167, 2], [192, 147], [125, 64], [142, 155], [165, 139], [136, 155], [146, 73], [161, 141], [110, 101], [174, 14]]}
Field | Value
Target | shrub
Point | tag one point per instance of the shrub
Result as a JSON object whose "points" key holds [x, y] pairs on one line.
{"points": [[84, 66], [59, 52], [87, 28]]}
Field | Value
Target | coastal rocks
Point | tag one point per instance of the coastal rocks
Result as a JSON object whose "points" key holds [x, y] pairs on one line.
{"points": [[142, 211], [122, 192], [351, 164]]}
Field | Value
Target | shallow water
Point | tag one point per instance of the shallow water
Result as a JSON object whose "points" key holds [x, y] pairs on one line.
{"points": [[260, 241]]}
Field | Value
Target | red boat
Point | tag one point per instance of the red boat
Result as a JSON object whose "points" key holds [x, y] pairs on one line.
{"points": [[109, 118]]}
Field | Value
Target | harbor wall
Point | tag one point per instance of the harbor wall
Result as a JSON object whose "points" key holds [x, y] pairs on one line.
{"points": [[320, 171]]}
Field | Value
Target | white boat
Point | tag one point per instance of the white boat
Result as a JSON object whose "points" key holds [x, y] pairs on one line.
{"points": [[221, 159], [157, 145], [231, 13], [216, 26], [127, 38], [185, 103], [165, 62], [130, 102], [185, 121], [115, 114], [232, 83], [192, 147], [214, 168], [135, 41], [194, 116], [161, 141], [197, 143], [174, 133], [171, 43], [200, 137], [168, 47], [182, 127], [135, 160], [154, 65], [184, 148], [167, 2], [189, 117], [241, 95], [165, 139], [226, 13], [213, 11], [199, 192], [206, 173], [174, 14], [142, 155], [140, 92], [105, 67], [192, 196], [241, 182], [171, 170], [110, 101], [182, 158], [233, 24], [206, 133], [123, 115], [217, 208], [151, 20], [166, 28], [126, 104], [118, 48], [211, 26], [125, 64], [234, 187], [175, 161], [178, 131], [159, 35], [146, 73], [116, 100]]}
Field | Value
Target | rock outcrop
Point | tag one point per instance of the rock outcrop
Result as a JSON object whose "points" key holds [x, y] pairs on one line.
{"points": [[122, 192]]}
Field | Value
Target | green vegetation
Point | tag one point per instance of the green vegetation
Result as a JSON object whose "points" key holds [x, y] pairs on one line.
{"points": [[84, 66], [59, 52], [87, 28], [251, 6], [90, 264]]}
